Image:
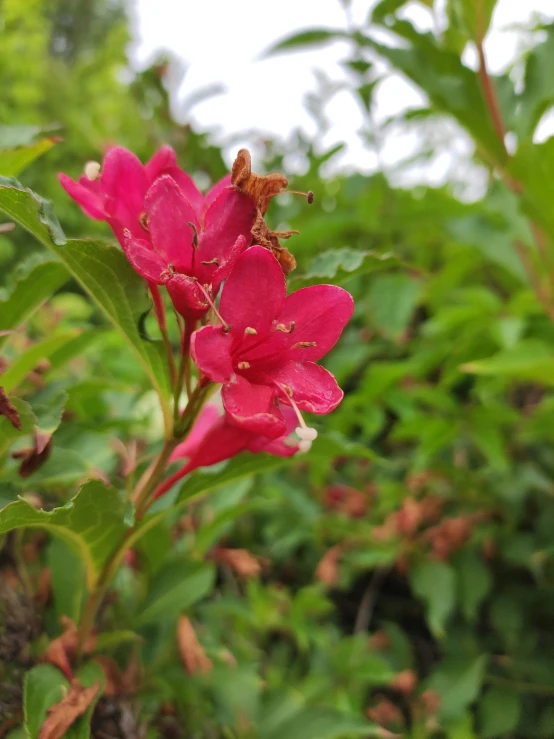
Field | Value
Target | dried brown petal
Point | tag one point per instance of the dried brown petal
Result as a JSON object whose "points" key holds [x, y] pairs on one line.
{"points": [[192, 652], [239, 560], [405, 682], [61, 651], [8, 409], [261, 188], [327, 570], [64, 713]]}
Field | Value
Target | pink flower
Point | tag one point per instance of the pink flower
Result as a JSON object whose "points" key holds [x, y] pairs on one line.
{"points": [[190, 251], [215, 438], [267, 351], [117, 194]]}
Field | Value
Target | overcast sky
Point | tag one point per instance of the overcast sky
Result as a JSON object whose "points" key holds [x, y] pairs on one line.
{"points": [[222, 42]]}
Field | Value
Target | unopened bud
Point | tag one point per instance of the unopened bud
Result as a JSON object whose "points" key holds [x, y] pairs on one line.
{"points": [[92, 170], [306, 433]]}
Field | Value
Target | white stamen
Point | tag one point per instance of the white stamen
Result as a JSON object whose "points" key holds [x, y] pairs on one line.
{"points": [[305, 433], [92, 170], [304, 446]]}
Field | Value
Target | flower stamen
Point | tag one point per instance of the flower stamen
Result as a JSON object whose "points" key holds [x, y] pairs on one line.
{"points": [[92, 170]]}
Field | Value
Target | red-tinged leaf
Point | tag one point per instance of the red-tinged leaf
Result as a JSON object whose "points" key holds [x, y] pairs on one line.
{"points": [[8, 409]]}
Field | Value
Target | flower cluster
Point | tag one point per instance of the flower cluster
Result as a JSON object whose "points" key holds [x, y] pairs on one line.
{"points": [[258, 343]]}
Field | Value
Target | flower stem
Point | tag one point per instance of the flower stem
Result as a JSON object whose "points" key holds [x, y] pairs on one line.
{"points": [[159, 310], [183, 375]]}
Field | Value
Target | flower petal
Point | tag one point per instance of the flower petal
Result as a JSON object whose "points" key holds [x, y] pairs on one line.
{"points": [[169, 213], [124, 184], [86, 193], [253, 294], [319, 314], [314, 388], [284, 446], [143, 259], [203, 425], [224, 270], [210, 348], [164, 161], [223, 441], [216, 190], [186, 295], [229, 216], [253, 407]]}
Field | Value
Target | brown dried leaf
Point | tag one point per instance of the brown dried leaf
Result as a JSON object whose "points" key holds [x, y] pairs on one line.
{"points": [[8, 409], [239, 560], [192, 652], [327, 570], [31, 457], [261, 188], [61, 651], [64, 713]]}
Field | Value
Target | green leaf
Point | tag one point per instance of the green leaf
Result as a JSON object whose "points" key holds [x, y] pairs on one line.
{"points": [[499, 712], [392, 300], [496, 244], [68, 579], [473, 17], [452, 87], [91, 522], [13, 136], [435, 583], [49, 414], [341, 265], [14, 161], [175, 588], [474, 582], [538, 93], [320, 723], [32, 283], [306, 39], [528, 360], [9, 433], [28, 360], [243, 465], [43, 687], [532, 166], [458, 683], [103, 272]]}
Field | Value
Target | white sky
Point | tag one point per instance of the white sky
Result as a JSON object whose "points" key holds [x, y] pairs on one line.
{"points": [[222, 42]]}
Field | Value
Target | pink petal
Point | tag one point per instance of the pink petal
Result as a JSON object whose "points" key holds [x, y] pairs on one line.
{"points": [[206, 420], [231, 215], [319, 315], [314, 388], [169, 213], [158, 165], [143, 259], [164, 161], [254, 293], [85, 194], [186, 295], [210, 349], [223, 442], [212, 194], [224, 270], [124, 184], [253, 407], [284, 446]]}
